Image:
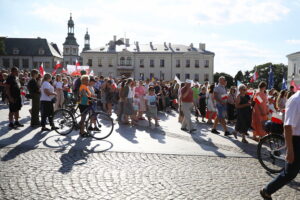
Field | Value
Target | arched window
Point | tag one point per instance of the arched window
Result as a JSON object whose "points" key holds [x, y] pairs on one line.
{"points": [[122, 61], [128, 61]]}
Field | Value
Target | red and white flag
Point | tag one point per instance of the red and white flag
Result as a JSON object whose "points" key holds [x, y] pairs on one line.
{"points": [[250, 92], [54, 72], [77, 63], [64, 71], [254, 77], [58, 65], [258, 99], [277, 118], [224, 96], [41, 69]]}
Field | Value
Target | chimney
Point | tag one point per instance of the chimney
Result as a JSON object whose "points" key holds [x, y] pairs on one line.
{"points": [[127, 42], [202, 46], [191, 45], [115, 38], [170, 46], [137, 46], [151, 45]]}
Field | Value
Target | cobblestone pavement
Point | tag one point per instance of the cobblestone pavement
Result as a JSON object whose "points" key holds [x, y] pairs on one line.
{"points": [[73, 174]]}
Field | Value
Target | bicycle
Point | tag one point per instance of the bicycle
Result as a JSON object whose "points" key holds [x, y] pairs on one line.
{"points": [[67, 121], [271, 148]]}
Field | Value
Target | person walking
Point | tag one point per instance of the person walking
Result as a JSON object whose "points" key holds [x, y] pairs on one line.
{"points": [[186, 94], [59, 92], [47, 109], [260, 112], [231, 106], [243, 107], [35, 94], [13, 93], [292, 141], [220, 95]]}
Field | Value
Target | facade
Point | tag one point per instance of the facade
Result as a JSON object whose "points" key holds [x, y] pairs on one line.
{"points": [[71, 47], [142, 61], [294, 67], [86, 41], [29, 53]]}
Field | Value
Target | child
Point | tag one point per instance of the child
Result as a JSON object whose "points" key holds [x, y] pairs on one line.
{"points": [[151, 104]]}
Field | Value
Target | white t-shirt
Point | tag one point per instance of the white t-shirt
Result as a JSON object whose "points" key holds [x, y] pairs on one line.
{"points": [[151, 100], [44, 96], [130, 93], [292, 114], [59, 85]]}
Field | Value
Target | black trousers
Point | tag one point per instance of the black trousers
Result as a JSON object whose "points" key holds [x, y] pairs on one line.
{"points": [[289, 173], [47, 111]]}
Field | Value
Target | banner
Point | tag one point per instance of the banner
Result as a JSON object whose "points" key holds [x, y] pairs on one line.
{"points": [[74, 70]]}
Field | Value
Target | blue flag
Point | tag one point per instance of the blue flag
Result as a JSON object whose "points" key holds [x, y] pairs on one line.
{"points": [[284, 85], [271, 78], [238, 83]]}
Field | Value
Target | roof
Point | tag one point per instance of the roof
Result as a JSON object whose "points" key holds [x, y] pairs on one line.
{"points": [[151, 48], [292, 54], [70, 40], [30, 47]]}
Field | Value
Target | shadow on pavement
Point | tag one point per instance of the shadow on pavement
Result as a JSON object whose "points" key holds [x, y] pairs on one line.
{"points": [[4, 125], [25, 146], [79, 153], [127, 132], [15, 137]]}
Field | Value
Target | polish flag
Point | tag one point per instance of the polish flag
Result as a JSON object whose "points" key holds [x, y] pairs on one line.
{"points": [[41, 69], [258, 99], [77, 63], [250, 92], [64, 71], [254, 77], [277, 118], [54, 72], [224, 96], [58, 65], [271, 108]]}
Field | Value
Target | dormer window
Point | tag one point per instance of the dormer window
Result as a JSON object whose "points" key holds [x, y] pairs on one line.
{"points": [[16, 51], [41, 51]]}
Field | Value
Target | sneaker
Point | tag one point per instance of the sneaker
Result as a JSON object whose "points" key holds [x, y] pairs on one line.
{"points": [[17, 124], [265, 195], [11, 125], [227, 133], [90, 128], [215, 131], [96, 129]]}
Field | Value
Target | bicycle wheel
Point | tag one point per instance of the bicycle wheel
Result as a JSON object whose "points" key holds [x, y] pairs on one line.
{"points": [[271, 153], [64, 120], [100, 125]]}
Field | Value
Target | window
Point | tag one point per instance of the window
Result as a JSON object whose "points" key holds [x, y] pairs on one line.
{"points": [[90, 62], [25, 63], [196, 63], [151, 63], [178, 76], [41, 51], [122, 61], [47, 65], [74, 51], [128, 61], [99, 62], [187, 76], [162, 62], [35, 64], [162, 76], [67, 50], [151, 75], [206, 65], [196, 77], [16, 63], [66, 63], [141, 63], [6, 62], [16, 51], [110, 62], [178, 63], [206, 77], [187, 63]]}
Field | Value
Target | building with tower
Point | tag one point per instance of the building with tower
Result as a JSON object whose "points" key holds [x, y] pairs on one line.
{"points": [[294, 67], [86, 41], [70, 46]]}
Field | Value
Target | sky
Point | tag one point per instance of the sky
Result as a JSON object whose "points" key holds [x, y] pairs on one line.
{"points": [[241, 33]]}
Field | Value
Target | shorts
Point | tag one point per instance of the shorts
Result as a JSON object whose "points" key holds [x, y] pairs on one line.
{"points": [[82, 108], [16, 106], [221, 111]]}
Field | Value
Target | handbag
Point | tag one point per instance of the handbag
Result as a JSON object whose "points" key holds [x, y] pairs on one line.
{"points": [[53, 100]]}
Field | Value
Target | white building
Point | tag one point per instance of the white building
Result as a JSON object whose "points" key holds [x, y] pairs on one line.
{"points": [[294, 67], [142, 61]]}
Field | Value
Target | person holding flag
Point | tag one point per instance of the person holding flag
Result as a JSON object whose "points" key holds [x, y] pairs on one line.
{"points": [[260, 111]]}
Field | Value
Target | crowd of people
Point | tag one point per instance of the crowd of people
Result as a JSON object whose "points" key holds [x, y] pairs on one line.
{"points": [[134, 100]]}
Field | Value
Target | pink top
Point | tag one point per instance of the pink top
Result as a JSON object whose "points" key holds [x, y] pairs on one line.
{"points": [[140, 91]]}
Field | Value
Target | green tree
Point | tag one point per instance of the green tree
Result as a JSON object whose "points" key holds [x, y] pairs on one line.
{"points": [[229, 78]]}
